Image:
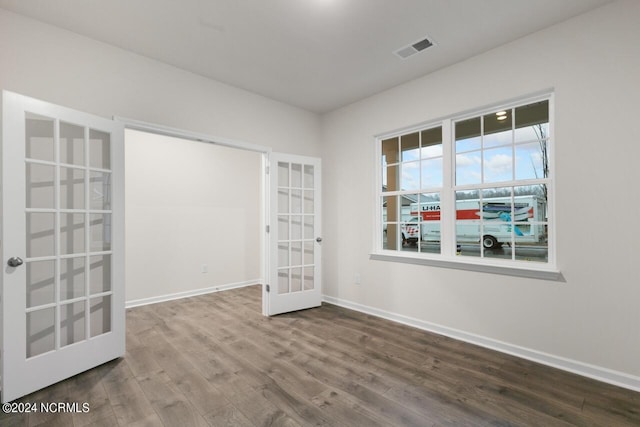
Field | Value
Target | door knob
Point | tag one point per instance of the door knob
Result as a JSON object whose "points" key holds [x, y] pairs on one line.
{"points": [[318, 239], [15, 261]]}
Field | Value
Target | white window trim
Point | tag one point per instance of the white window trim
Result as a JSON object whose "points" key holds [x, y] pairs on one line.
{"points": [[447, 258]]}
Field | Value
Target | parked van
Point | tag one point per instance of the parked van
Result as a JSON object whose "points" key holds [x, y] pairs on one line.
{"points": [[492, 218]]}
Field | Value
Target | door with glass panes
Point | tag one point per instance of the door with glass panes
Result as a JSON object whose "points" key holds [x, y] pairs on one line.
{"points": [[62, 243], [295, 234]]}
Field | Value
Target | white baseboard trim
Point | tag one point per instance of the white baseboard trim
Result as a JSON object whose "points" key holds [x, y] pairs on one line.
{"points": [[606, 375], [193, 293]]}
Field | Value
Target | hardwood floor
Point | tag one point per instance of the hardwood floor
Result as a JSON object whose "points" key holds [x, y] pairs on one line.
{"points": [[214, 360]]}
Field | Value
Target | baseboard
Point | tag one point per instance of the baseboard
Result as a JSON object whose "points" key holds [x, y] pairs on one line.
{"points": [[193, 293], [609, 376]]}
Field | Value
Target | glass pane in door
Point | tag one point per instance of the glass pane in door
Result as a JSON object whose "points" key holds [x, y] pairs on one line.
{"points": [[68, 225], [72, 323], [71, 188], [40, 283], [72, 278], [71, 144], [99, 149], [100, 315], [100, 274], [39, 140], [40, 234], [40, 181], [40, 331], [296, 235]]}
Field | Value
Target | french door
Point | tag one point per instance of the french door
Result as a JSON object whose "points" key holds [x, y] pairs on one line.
{"points": [[62, 243], [295, 234]]}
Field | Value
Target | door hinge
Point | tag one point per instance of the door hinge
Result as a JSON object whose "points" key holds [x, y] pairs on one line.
{"points": [[268, 229], [266, 170], [268, 288]]}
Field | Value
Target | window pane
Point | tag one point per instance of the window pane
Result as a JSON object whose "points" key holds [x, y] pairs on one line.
{"points": [[410, 145], [429, 217], [432, 173], [497, 212], [468, 135], [410, 178], [390, 178], [391, 236], [390, 210], [530, 226], [468, 223], [468, 168], [538, 252], [410, 234], [530, 159], [390, 150], [431, 143], [497, 129], [498, 164], [532, 122]]}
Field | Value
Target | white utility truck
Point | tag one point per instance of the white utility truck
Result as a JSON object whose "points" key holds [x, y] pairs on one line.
{"points": [[498, 220]]}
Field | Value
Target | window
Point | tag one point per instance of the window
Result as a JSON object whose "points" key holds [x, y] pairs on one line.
{"points": [[474, 188]]}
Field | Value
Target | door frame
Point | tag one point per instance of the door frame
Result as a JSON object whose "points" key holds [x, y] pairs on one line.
{"points": [[265, 152]]}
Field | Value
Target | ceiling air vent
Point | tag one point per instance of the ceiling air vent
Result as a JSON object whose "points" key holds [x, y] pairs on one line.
{"points": [[412, 49]]}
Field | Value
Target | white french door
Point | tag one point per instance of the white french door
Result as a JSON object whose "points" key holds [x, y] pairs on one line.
{"points": [[62, 243], [295, 234]]}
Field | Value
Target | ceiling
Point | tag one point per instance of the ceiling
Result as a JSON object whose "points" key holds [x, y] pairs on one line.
{"points": [[315, 54]]}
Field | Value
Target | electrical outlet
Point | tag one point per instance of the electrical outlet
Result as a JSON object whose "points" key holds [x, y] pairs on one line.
{"points": [[205, 268], [358, 279]]}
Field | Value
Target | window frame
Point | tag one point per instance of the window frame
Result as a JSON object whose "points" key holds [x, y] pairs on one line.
{"points": [[447, 257]]}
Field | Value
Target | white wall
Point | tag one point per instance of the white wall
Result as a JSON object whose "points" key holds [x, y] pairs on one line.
{"points": [[58, 66], [593, 62], [190, 204]]}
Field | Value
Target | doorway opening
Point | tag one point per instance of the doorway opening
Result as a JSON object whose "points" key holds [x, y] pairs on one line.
{"points": [[194, 215]]}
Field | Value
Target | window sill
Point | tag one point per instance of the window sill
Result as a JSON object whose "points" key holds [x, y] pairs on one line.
{"points": [[458, 264]]}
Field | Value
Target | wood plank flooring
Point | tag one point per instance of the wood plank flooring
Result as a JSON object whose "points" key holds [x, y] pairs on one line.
{"points": [[214, 360]]}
